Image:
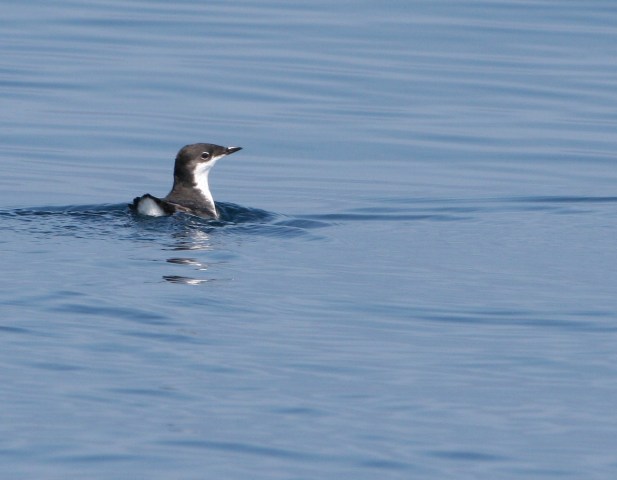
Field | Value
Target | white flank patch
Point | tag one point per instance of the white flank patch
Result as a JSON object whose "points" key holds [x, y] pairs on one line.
{"points": [[147, 206]]}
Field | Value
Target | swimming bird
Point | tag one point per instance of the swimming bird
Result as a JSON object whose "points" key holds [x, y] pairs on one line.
{"points": [[190, 192]]}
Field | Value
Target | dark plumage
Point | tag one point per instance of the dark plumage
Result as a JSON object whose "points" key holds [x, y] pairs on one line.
{"points": [[190, 192]]}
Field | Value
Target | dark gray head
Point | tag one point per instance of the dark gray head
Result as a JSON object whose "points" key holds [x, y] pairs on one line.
{"points": [[195, 161], [193, 164]]}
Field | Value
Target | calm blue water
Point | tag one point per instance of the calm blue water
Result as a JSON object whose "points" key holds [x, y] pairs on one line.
{"points": [[415, 275]]}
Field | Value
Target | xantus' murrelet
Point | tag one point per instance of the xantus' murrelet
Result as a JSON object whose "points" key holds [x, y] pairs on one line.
{"points": [[190, 192]]}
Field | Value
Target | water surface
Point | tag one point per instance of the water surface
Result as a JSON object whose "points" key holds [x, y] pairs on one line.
{"points": [[414, 273]]}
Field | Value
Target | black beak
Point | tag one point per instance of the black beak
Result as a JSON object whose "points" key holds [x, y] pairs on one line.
{"points": [[232, 150]]}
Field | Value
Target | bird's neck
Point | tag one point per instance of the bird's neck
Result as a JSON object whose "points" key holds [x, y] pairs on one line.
{"points": [[194, 193], [201, 184]]}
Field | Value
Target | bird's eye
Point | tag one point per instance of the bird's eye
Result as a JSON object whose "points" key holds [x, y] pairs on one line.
{"points": [[205, 155]]}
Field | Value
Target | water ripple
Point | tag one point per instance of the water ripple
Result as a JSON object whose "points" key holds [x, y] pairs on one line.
{"points": [[100, 220], [193, 233]]}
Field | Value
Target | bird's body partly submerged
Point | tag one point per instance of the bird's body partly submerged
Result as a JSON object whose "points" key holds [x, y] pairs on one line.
{"points": [[190, 192]]}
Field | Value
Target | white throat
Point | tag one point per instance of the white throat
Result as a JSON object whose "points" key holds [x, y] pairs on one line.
{"points": [[201, 178]]}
